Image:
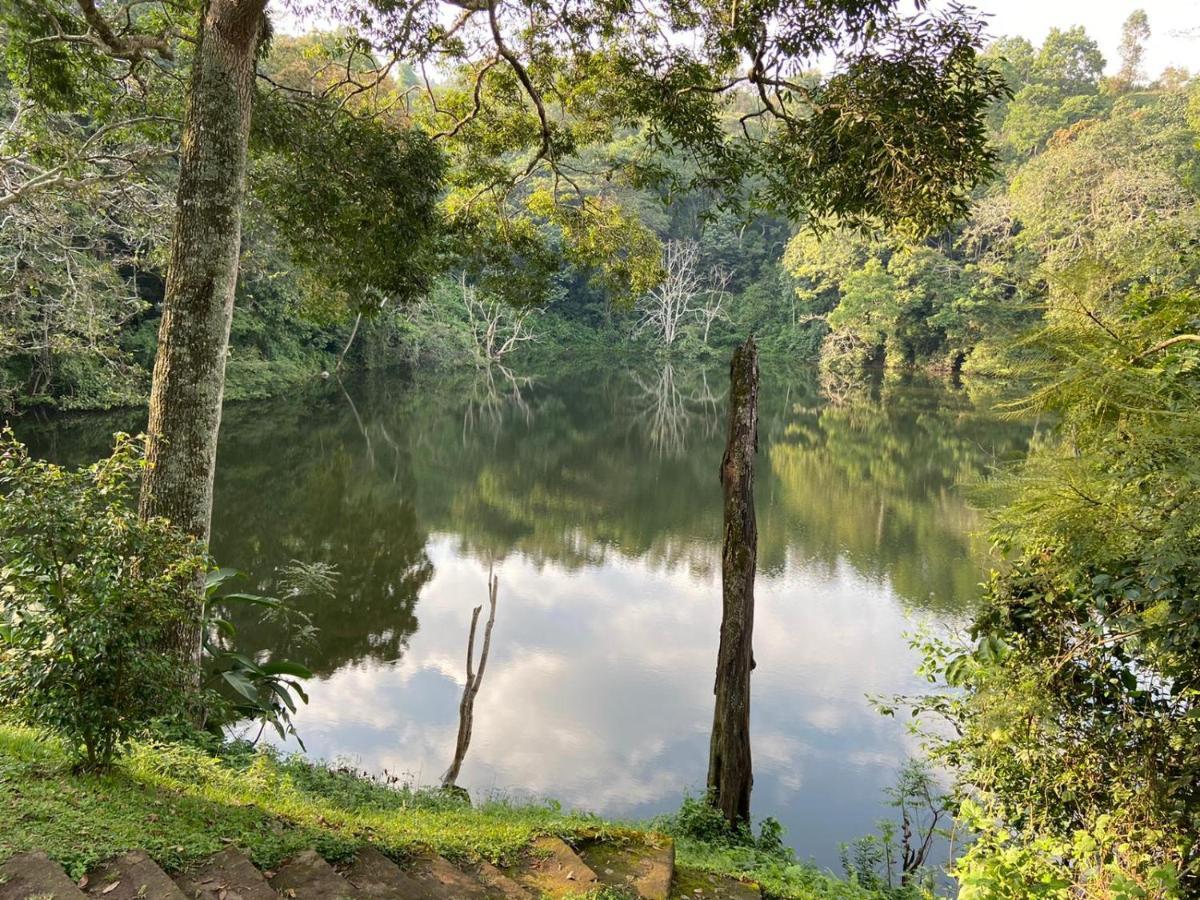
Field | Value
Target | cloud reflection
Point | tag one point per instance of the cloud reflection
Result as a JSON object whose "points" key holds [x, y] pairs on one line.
{"points": [[599, 689]]}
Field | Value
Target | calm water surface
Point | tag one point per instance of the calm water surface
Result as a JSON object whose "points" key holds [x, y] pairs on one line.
{"points": [[594, 495]]}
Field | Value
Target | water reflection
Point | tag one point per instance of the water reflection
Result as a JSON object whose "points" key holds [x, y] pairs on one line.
{"points": [[596, 494], [668, 414]]}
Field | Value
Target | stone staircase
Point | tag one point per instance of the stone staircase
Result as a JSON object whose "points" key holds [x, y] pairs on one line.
{"points": [[550, 870]]}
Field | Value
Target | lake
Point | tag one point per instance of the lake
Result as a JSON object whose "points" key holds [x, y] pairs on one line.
{"points": [[593, 494]]}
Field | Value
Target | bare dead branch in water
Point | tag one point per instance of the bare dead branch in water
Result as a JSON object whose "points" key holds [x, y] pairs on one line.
{"points": [[466, 706]]}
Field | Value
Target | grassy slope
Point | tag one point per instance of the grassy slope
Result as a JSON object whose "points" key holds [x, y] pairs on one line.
{"points": [[181, 803]]}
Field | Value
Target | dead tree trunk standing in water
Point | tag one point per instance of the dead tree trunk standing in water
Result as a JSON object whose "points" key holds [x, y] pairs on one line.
{"points": [[193, 339], [466, 706], [729, 771]]}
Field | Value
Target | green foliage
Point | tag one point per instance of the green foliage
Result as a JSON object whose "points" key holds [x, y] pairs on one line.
{"points": [[1077, 737], [922, 305], [706, 842], [353, 197], [89, 598], [1112, 169], [881, 155], [349, 212], [569, 113], [262, 690], [87, 175]]}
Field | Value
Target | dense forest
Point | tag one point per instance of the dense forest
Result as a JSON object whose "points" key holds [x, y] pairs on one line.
{"points": [[576, 187], [81, 312]]}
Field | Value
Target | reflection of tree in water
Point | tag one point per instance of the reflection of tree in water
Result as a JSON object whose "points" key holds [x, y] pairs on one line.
{"points": [[495, 392], [877, 482], [573, 469], [669, 415], [333, 486], [842, 388], [569, 481], [627, 464]]}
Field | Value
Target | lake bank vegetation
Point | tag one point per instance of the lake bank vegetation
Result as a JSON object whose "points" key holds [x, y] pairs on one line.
{"points": [[198, 209], [183, 801]]}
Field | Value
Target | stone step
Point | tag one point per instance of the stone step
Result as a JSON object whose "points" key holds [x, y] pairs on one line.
{"points": [[498, 884], [30, 875], [646, 866], [441, 880], [375, 877], [132, 876], [552, 869], [692, 884], [307, 876], [226, 876]]}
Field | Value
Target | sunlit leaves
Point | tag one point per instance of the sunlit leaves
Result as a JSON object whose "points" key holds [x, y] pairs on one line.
{"points": [[1079, 738], [354, 197]]}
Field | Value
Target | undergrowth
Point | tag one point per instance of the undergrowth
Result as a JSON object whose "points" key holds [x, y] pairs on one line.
{"points": [[704, 842], [182, 801]]}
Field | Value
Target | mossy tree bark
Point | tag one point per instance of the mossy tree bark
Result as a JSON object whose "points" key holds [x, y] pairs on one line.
{"points": [[193, 339], [730, 775]]}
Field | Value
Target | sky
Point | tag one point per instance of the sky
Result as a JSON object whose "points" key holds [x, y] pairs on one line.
{"points": [[1174, 25], [1169, 45]]}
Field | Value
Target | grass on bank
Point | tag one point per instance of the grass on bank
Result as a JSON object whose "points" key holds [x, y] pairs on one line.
{"points": [[181, 803]]}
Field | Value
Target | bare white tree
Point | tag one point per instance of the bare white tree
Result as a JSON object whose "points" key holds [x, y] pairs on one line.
{"points": [[714, 299], [669, 306], [497, 327]]}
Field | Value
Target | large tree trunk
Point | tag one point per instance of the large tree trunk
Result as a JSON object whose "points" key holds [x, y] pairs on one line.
{"points": [[729, 772], [193, 340]]}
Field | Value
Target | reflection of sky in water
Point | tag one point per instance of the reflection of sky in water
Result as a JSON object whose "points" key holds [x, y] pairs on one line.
{"points": [[598, 692], [598, 493]]}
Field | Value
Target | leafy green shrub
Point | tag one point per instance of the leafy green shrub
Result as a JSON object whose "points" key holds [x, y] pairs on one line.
{"points": [[239, 687], [89, 598], [700, 820], [705, 842]]}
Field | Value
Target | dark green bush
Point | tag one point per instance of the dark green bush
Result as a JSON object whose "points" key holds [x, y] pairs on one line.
{"points": [[89, 598], [700, 820]]}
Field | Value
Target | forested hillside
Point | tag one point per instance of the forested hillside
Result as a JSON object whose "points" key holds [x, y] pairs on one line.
{"points": [[83, 256]]}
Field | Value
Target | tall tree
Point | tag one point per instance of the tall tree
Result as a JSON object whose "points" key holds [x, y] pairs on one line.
{"points": [[193, 338], [1134, 34], [189, 370]]}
